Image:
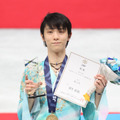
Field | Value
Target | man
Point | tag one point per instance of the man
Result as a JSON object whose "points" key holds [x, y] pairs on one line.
{"points": [[55, 32]]}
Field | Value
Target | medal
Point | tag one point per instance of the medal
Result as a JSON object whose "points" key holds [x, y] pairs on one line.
{"points": [[52, 117]]}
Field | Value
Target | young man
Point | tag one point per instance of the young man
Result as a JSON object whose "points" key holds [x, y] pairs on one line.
{"points": [[56, 32]]}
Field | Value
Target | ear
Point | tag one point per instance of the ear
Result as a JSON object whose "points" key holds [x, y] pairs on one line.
{"points": [[69, 36], [42, 37]]}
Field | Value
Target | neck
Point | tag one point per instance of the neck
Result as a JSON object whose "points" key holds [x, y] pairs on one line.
{"points": [[56, 57]]}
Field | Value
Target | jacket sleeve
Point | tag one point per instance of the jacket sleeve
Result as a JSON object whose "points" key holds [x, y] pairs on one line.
{"points": [[91, 113], [23, 107]]}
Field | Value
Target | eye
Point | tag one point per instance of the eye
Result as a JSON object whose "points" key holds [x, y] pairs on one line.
{"points": [[49, 31], [61, 31]]}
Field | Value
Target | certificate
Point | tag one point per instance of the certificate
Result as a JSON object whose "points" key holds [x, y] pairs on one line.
{"points": [[76, 79]]}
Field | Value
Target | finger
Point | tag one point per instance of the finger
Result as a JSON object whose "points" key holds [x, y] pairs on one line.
{"points": [[39, 83], [102, 78], [99, 88], [102, 82], [28, 89], [28, 92], [98, 76], [99, 83], [28, 81], [30, 86], [26, 77], [33, 85]]}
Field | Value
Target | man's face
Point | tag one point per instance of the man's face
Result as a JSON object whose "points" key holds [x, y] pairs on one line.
{"points": [[55, 39]]}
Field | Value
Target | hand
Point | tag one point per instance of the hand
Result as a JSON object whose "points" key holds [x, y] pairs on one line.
{"points": [[100, 83], [31, 87]]}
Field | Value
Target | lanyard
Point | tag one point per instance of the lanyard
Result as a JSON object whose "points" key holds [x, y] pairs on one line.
{"points": [[51, 98]]}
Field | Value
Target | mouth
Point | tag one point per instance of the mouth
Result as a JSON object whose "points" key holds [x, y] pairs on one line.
{"points": [[56, 43]]}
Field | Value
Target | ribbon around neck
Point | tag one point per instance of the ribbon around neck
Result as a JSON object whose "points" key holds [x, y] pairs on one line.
{"points": [[51, 98]]}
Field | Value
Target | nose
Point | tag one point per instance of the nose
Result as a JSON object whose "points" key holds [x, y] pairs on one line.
{"points": [[56, 35]]}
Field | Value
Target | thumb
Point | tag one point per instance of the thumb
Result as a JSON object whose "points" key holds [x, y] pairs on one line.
{"points": [[39, 83], [26, 77]]}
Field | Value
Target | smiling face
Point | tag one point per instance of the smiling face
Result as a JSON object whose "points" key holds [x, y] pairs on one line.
{"points": [[56, 39]]}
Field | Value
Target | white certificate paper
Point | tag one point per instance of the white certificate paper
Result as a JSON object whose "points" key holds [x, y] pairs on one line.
{"points": [[76, 79]]}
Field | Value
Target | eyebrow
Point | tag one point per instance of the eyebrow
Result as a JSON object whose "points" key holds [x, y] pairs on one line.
{"points": [[55, 28], [48, 28]]}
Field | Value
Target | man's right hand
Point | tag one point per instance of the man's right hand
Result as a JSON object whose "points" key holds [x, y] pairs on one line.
{"points": [[30, 86]]}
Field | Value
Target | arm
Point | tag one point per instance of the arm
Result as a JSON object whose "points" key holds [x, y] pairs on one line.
{"points": [[27, 108], [97, 99], [30, 88], [97, 108], [100, 84], [30, 103], [23, 108]]}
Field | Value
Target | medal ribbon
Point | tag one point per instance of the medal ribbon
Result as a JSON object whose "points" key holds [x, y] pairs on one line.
{"points": [[51, 98]]}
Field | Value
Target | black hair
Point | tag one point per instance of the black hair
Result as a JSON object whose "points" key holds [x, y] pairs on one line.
{"points": [[56, 20]]}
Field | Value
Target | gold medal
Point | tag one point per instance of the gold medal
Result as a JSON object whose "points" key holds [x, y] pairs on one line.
{"points": [[52, 117]]}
